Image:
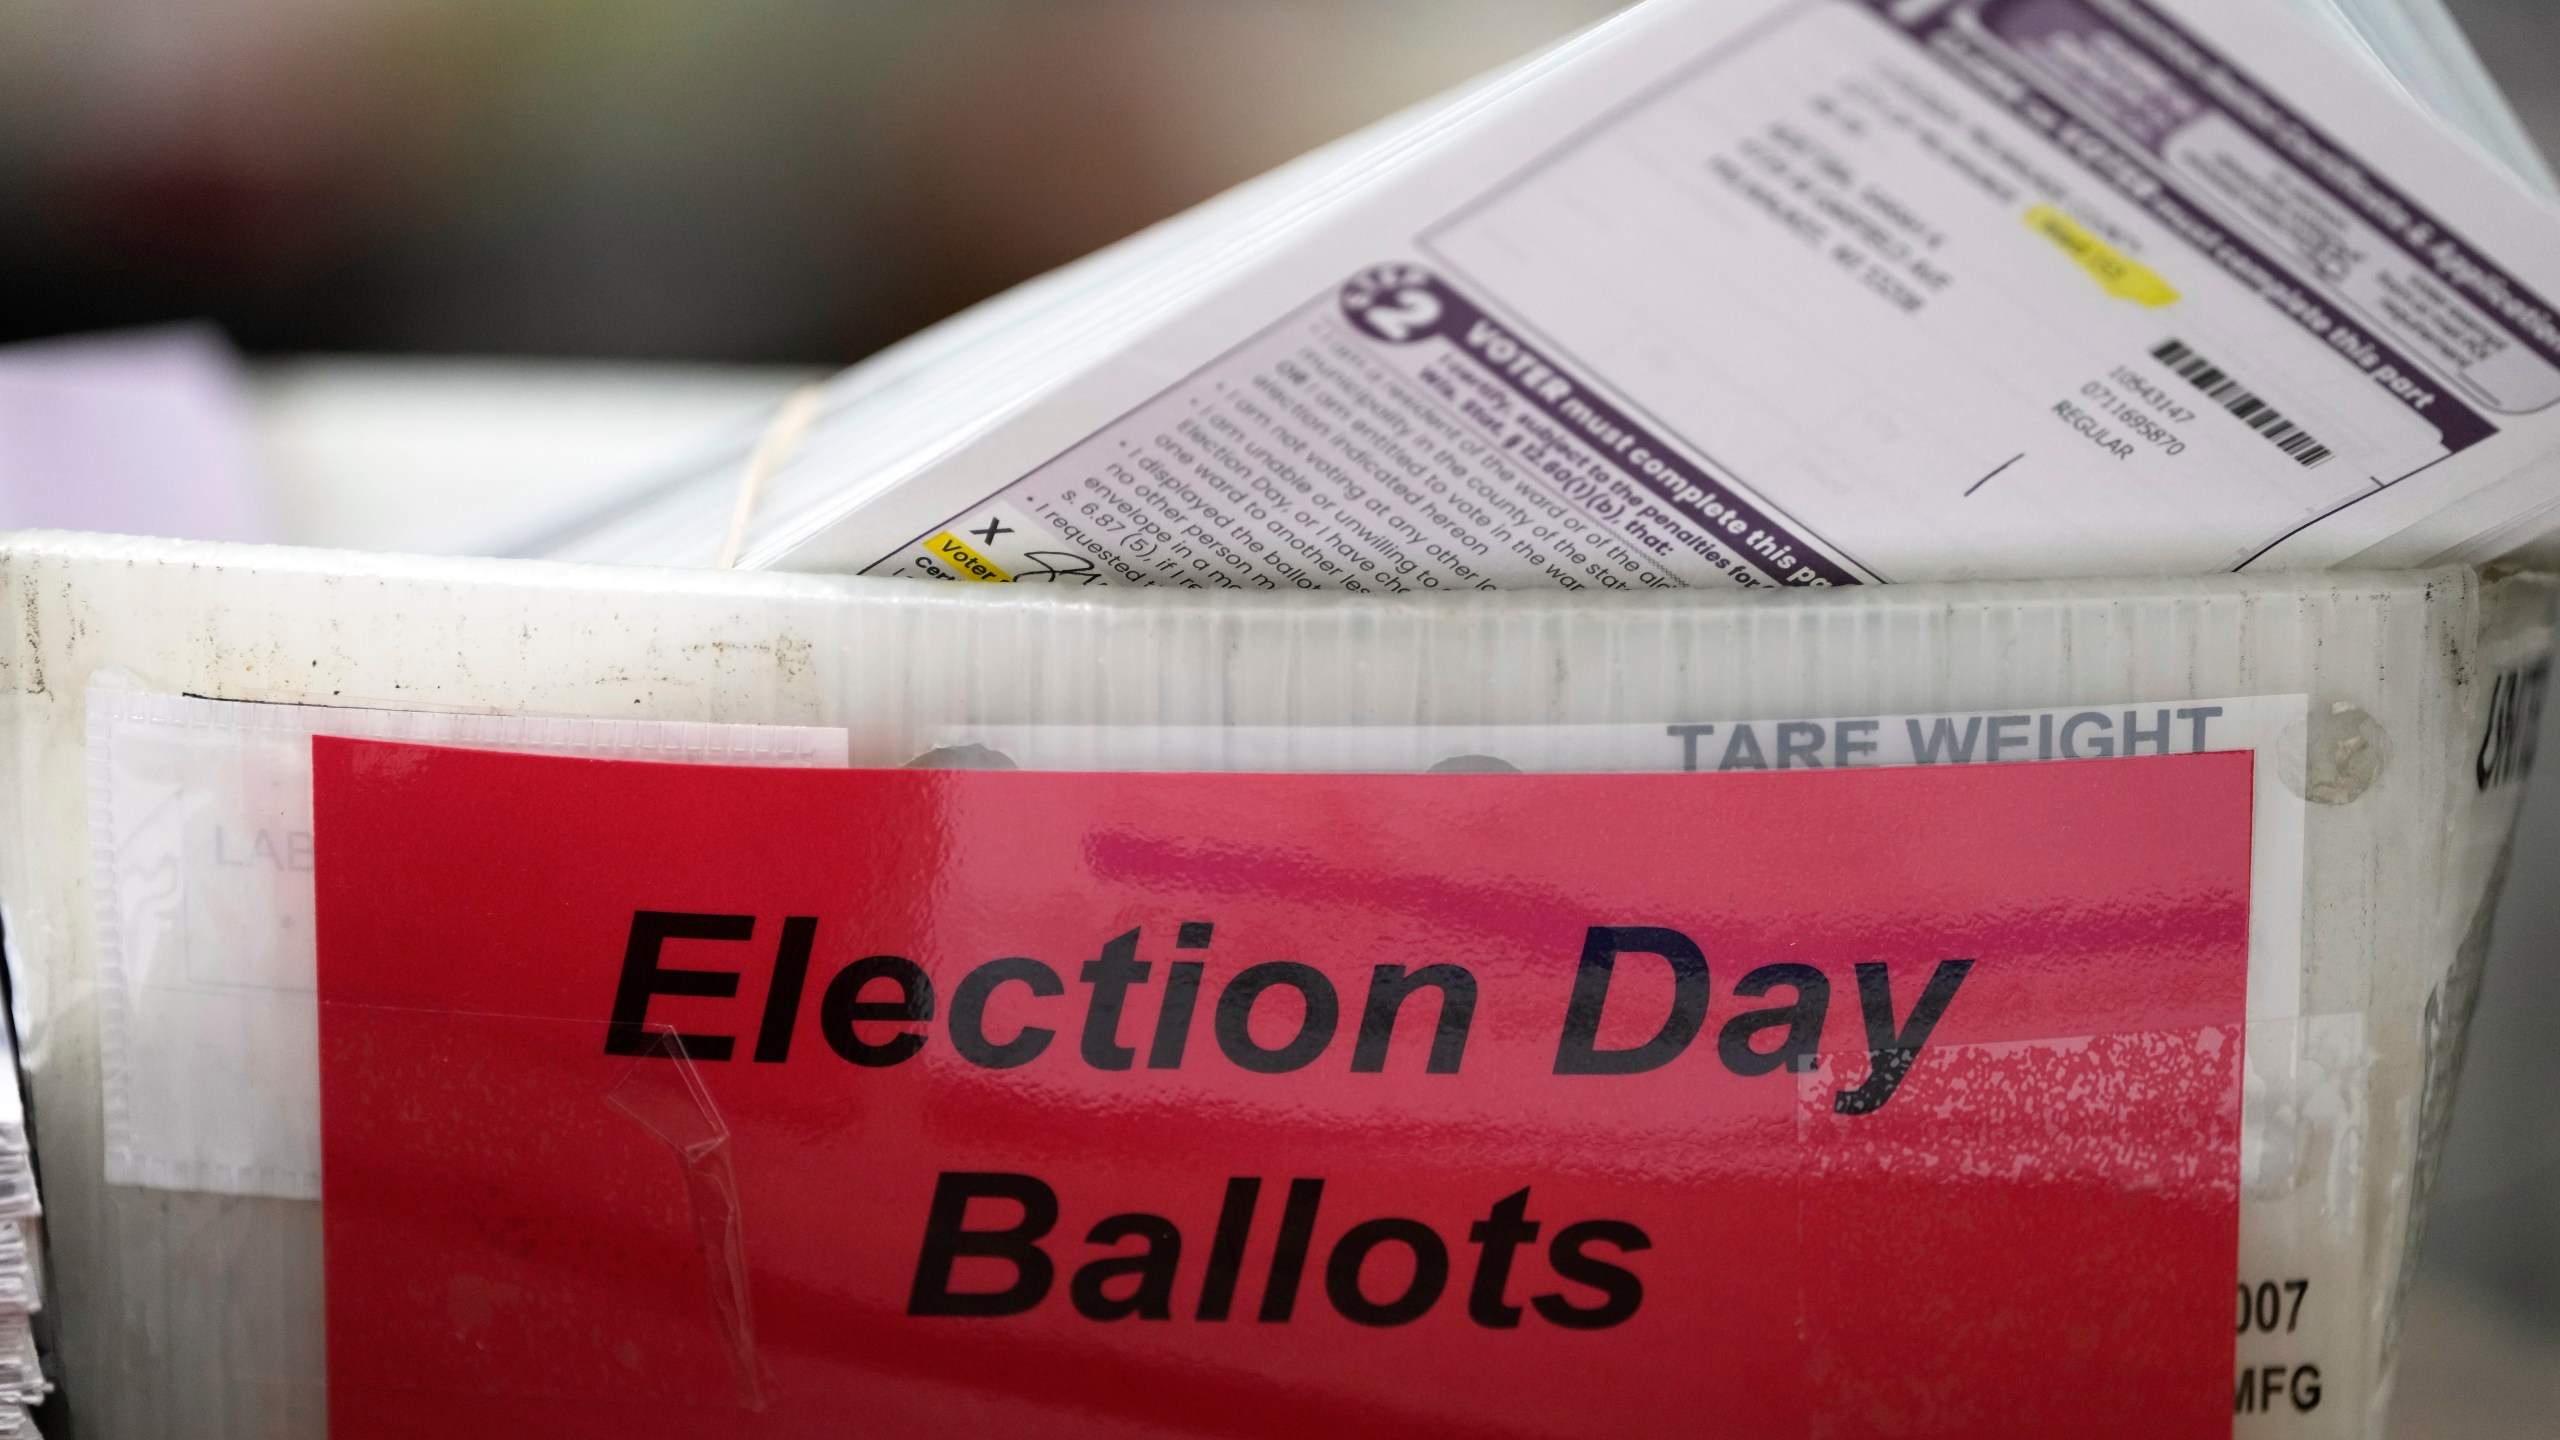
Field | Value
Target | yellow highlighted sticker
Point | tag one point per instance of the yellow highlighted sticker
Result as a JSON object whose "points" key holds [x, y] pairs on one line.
{"points": [[2123, 276], [949, 549]]}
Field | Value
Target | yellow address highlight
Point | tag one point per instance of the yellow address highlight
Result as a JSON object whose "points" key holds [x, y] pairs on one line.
{"points": [[2118, 273]]}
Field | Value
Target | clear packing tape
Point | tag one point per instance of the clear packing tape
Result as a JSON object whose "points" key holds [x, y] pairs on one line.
{"points": [[2389, 712]]}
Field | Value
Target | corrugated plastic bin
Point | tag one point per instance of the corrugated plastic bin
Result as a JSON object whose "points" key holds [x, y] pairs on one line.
{"points": [[2400, 700]]}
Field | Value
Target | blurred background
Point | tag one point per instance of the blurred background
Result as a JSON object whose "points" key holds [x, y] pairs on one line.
{"points": [[660, 214], [685, 183], [752, 180]]}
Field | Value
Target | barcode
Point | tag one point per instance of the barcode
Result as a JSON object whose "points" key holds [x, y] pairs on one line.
{"points": [[2255, 413]]}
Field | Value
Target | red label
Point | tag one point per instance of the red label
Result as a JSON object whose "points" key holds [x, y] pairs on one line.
{"points": [[1880, 1103]]}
